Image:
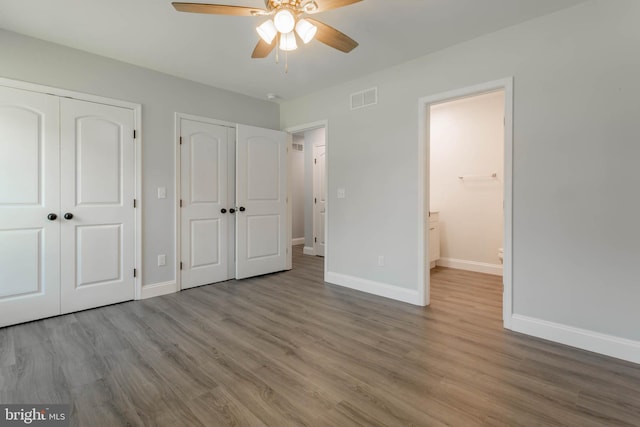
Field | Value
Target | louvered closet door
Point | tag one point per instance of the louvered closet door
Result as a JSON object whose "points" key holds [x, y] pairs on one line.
{"points": [[97, 192], [29, 192]]}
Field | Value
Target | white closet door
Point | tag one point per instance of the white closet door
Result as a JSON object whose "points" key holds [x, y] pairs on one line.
{"points": [[205, 212], [320, 198], [98, 217], [29, 192], [261, 197]]}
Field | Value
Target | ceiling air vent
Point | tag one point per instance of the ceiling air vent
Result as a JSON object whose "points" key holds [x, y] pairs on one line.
{"points": [[364, 98]]}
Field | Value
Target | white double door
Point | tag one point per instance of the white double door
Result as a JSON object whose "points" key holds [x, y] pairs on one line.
{"points": [[233, 202], [66, 205]]}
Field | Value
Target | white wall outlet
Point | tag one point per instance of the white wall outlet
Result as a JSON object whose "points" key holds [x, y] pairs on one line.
{"points": [[162, 260], [342, 193], [162, 192], [381, 261]]}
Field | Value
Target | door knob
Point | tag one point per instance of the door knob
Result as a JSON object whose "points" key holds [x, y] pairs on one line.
{"points": [[52, 217], [232, 210], [224, 211], [242, 209], [68, 215]]}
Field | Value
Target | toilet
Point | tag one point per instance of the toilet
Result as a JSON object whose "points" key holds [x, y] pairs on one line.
{"points": [[501, 255]]}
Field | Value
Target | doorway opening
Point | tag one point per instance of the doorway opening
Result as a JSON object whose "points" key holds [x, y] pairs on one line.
{"points": [[467, 143], [309, 188]]}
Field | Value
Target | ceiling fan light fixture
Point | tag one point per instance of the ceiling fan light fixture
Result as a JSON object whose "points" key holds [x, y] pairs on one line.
{"points": [[288, 41], [284, 21], [267, 31], [306, 30]]}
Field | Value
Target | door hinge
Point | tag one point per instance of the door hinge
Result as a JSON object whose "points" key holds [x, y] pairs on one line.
{"points": [[180, 265], [135, 203], [135, 273], [315, 161], [315, 200], [180, 140], [315, 239], [180, 202], [134, 134]]}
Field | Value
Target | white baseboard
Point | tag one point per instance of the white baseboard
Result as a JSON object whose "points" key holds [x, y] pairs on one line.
{"points": [[308, 250], [158, 289], [376, 288], [478, 267], [297, 241], [609, 345]]}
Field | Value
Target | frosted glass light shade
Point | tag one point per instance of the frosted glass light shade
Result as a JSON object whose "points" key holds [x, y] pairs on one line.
{"points": [[288, 41], [306, 30], [284, 21], [267, 31]]}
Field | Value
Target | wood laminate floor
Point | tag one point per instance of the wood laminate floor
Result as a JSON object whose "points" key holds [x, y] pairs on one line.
{"points": [[286, 349]]}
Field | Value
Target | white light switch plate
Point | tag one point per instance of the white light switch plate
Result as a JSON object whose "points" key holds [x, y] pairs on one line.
{"points": [[342, 193], [162, 192]]}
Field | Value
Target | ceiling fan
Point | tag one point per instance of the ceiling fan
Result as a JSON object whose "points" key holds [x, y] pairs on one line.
{"points": [[289, 19]]}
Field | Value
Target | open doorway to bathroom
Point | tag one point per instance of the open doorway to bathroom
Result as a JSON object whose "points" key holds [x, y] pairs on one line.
{"points": [[308, 189], [468, 198]]}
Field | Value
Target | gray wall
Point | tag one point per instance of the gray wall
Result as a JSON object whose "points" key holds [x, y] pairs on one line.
{"points": [[36, 61], [576, 238]]}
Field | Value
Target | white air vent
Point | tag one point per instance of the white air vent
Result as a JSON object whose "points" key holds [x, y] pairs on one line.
{"points": [[298, 147], [364, 98]]}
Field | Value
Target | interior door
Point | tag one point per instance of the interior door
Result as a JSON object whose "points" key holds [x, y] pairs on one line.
{"points": [[205, 212], [319, 198], [97, 204], [261, 197], [29, 193]]}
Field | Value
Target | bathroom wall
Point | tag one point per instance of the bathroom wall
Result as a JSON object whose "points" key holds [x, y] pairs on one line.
{"points": [[467, 138]]}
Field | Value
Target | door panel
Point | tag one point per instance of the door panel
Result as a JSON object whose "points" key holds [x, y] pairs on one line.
{"points": [[261, 177], [320, 198], [97, 188], [29, 191], [204, 190]]}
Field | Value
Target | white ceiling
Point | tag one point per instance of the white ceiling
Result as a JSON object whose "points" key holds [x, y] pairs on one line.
{"points": [[216, 50]]}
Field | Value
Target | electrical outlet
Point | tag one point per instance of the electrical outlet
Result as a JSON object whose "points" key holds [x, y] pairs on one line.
{"points": [[162, 260], [381, 261]]}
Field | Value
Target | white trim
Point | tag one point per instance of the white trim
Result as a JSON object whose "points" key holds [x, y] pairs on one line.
{"points": [[423, 186], [298, 241], [34, 87], [177, 187], [137, 111], [158, 289], [608, 345], [478, 267], [385, 290], [311, 126]]}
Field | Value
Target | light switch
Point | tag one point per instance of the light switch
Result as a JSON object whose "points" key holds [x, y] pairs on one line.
{"points": [[342, 193], [162, 192]]}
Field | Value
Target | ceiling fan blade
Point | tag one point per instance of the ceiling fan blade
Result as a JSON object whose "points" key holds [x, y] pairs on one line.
{"points": [[334, 38], [324, 5], [263, 49], [218, 9]]}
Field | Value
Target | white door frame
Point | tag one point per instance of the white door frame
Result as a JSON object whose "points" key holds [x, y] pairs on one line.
{"points": [[424, 105], [312, 126], [177, 190], [137, 110]]}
